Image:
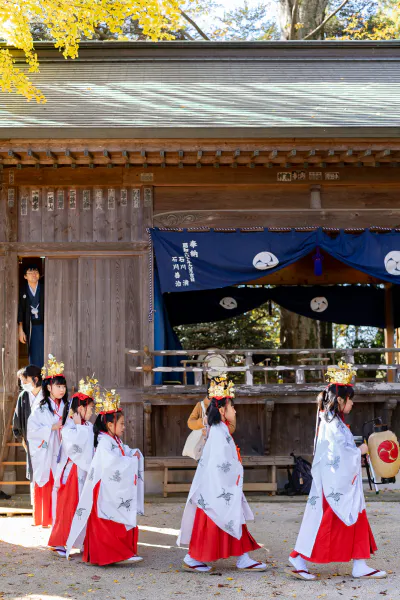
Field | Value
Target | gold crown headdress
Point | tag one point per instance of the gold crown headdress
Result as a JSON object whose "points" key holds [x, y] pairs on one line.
{"points": [[342, 374], [107, 402], [89, 387], [53, 368], [220, 387]]}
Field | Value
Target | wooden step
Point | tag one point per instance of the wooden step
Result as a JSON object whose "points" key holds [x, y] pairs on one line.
{"points": [[26, 482], [14, 462]]}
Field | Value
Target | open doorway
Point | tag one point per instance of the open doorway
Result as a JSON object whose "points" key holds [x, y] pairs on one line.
{"points": [[24, 262]]}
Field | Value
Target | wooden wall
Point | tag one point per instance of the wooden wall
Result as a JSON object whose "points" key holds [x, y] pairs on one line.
{"points": [[93, 314], [77, 214]]}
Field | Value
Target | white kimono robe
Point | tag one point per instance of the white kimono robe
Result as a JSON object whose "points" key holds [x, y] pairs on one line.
{"points": [[77, 445], [337, 475], [44, 443], [121, 496], [217, 487]]}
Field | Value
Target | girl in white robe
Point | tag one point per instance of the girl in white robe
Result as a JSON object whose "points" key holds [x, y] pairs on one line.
{"points": [[112, 497], [44, 439], [77, 449], [335, 526], [214, 520]]}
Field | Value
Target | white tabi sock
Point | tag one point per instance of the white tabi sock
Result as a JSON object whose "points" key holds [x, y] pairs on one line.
{"points": [[300, 565], [244, 561], [192, 562], [360, 568]]}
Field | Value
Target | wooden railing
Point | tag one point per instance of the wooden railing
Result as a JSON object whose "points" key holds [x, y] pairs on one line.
{"points": [[241, 361]]}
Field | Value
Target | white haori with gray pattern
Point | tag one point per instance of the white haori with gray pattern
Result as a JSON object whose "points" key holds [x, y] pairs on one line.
{"points": [[337, 475], [217, 487], [44, 443], [121, 496]]}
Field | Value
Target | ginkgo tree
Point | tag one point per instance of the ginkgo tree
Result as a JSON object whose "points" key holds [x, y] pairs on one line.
{"points": [[67, 22]]}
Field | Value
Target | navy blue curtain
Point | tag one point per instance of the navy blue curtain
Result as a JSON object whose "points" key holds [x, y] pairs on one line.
{"points": [[189, 260], [165, 338], [345, 304]]}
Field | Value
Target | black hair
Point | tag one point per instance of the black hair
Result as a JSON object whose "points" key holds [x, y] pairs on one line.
{"points": [[100, 424], [30, 267], [75, 403], [34, 372], [328, 399], [213, 414], [58, 380]]}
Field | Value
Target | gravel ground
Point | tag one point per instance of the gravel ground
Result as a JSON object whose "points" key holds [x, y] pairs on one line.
{"points": [[29, 571]]}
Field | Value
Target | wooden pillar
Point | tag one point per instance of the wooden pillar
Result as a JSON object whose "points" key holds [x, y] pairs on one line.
{"points": [[148, 450], [389, 329], [147, 267], [389, 408], [269, 410]]}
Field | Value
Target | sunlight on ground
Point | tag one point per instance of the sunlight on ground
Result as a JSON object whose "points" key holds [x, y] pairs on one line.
{"points": [[36, 537]]}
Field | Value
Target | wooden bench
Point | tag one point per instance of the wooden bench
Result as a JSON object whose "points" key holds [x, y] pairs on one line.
{"points": [[180, 463]]}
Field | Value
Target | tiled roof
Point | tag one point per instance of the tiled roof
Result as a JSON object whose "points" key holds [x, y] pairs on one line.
{"points": [[177, 89]]}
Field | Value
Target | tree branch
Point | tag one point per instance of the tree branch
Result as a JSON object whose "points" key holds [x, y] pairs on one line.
{"points": [[294, 18], [328, 18], [193, 24]]}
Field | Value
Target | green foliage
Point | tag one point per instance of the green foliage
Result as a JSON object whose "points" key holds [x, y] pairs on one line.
{"points": [[247, 23], [254, 329]]}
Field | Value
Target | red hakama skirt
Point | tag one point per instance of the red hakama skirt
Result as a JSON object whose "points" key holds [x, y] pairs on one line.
{"points": [[209, 542], [338, 542], [107, 542], [67, 502], [42, 503]]}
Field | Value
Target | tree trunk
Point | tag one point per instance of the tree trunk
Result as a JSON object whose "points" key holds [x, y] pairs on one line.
{"points": [[309, 14], [301, 332], [298, 331]]}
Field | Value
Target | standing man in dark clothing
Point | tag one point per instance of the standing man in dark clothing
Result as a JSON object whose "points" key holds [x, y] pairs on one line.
{"points": [[31, 315], [28, 400]]}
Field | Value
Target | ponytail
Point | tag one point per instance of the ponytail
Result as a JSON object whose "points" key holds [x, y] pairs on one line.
{"points": [[77, 400], [100, 424], [213, 414], [328, 399]]}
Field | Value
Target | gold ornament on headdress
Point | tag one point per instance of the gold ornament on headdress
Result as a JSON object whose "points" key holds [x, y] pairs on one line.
{"points": [[220, 387], [89, 387], [107, 402], [342, 374], [53, 368]]}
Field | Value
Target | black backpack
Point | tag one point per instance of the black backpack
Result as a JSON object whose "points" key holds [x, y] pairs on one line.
{"points": [[300, 478]]}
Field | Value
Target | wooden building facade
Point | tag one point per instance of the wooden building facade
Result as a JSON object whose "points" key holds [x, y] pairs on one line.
{"points": [[187, 135]]}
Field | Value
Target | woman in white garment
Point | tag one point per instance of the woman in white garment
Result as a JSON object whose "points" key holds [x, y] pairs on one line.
{"points": [[77, 449], [335, 526], [113, 494], [29, 398], [44, 439], [214, 520]]}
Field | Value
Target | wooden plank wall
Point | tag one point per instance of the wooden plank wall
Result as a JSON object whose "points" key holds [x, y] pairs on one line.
{"points": [[93, 316], [170, 430], [77, 214]]}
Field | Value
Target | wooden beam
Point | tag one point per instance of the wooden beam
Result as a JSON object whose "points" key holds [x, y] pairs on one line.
{"points": [[382, 154], [33, 155], [389, 329]]}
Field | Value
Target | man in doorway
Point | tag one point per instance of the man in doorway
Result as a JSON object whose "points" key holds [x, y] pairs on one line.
{"points": [[31, 314]]}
